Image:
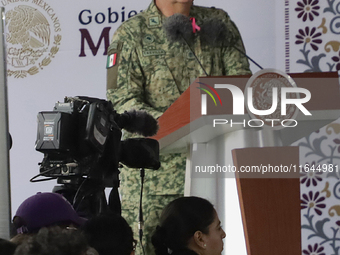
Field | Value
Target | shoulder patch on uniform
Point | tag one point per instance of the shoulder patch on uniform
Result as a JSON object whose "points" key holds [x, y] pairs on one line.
{"points": [[113, 53], [115, 46], [111, 60]]}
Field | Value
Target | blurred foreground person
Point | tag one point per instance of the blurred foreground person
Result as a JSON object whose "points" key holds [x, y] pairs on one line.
{"points": [[44, 210], [55, 241], [7, 247], [189, 226], [109, 234]]}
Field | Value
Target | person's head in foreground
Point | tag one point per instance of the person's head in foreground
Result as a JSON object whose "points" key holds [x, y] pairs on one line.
{"points": [[7, 247], [55, 241], [45, 210], [189, 225], [109, 233]]}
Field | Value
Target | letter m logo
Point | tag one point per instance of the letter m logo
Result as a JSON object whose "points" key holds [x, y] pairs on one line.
{"points": [[85, 36]]}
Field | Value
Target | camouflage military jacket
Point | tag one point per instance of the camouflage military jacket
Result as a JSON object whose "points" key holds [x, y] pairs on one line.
{"points": [[151, 73], [147, 72]]}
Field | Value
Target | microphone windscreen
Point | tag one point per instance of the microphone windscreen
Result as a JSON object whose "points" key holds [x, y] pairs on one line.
{"points": [[215, 33], [178, 27]]}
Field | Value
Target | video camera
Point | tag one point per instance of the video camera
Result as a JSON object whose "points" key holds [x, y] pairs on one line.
{"points": [[81, 140]]}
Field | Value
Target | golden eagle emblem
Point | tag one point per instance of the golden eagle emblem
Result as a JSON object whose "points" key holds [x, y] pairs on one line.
{"points": [[27, 27]]}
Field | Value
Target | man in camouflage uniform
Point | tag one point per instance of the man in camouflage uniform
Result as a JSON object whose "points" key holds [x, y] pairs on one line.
{"points": [[147, 72]]}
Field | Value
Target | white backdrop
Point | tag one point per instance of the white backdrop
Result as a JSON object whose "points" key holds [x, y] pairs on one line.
{"points": [[67, 74], [261, 23], [71, 75]]}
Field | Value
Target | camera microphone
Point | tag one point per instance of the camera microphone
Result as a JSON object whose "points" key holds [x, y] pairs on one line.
{"points": [[139, 122]]}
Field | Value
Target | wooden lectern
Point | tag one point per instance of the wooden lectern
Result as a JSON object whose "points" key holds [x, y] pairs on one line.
{"points": [[270, 207]]}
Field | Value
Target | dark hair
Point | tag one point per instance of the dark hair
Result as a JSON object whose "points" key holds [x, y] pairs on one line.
{"points": [[53, 240], [179, 221], [109, 233], [7, 247]]}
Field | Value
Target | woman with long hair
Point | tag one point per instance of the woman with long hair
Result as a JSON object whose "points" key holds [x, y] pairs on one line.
{"points": [[189, 226]]}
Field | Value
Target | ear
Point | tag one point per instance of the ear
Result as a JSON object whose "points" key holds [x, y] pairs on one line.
{"points": [[199, 239]]}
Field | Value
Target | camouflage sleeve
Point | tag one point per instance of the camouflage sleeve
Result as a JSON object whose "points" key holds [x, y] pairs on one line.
{"points": [[235, 63], [125, 78]]}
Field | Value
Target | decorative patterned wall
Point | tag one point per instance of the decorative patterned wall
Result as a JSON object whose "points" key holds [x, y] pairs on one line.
{"points": [[320, 191], [312, 44], [312, 40]]}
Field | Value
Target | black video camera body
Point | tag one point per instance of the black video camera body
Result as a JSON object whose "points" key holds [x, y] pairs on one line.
{"points": [[74, 136], [82, 137]]}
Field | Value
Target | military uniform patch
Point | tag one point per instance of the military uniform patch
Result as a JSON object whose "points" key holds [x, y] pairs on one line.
{"points": [[148, 39], [112, 63], [111, 60], [113, 46], [154, 21], [153, 52]]}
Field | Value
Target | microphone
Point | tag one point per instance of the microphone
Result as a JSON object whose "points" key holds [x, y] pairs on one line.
{"points": [[139, 122], [215, 33], [179, 27]]}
